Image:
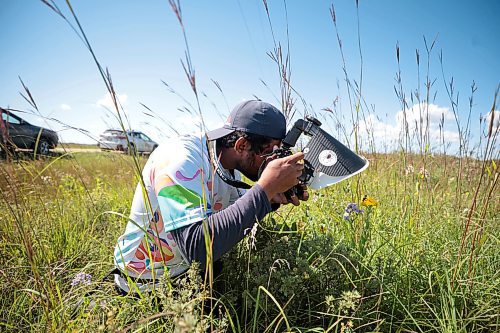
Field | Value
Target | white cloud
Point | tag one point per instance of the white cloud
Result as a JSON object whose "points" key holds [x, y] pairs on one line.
{"points": [[65, 107], [422, 111], [419, 118], [496, 119], [378, 129], [107, 102], [449, 136]]}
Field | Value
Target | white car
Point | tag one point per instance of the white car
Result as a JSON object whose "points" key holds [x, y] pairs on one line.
{"points": [[113, 139]]}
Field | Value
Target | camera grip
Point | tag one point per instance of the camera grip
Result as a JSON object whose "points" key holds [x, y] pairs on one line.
{"points": [[297, 190]]}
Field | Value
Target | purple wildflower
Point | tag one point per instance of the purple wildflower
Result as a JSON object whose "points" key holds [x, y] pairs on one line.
{"points": [[350, 209], [81, 278]]}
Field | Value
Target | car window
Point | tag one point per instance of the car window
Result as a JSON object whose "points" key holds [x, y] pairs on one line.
{"points": [[145, 137], [11, 120]]}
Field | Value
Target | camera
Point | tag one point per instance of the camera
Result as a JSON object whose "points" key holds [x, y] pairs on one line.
{"points": [[308, 126], [326, 160]]}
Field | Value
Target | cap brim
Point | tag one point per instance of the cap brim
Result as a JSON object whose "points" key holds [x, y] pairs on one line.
{"points": [[219, 133]]}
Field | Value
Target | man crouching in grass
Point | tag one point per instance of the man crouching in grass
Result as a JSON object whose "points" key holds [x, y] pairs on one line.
{"points": [[193, 190]]}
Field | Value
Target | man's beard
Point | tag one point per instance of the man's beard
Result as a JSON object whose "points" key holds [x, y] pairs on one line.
{"points": [[244, 168], [251, 176]]}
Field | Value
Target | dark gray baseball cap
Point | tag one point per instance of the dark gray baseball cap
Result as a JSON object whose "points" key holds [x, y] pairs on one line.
{"points": [[256, 117]]}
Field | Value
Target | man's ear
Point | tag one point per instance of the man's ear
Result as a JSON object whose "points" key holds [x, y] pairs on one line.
{"points": [[241, 145]]}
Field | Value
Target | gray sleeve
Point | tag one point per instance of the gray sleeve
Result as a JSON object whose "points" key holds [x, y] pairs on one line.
{"points": [[227, 227]]}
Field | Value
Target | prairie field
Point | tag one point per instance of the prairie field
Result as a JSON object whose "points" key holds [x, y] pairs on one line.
{"points": [[412, 244], [420, 255]]}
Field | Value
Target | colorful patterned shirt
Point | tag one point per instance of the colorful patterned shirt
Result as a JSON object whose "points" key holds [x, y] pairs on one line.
{"points": [[180, 188]]}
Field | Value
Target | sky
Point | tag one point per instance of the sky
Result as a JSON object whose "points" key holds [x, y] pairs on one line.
{"points": [[141, 43]]}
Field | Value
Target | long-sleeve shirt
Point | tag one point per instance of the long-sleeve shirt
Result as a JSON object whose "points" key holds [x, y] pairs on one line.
{"points": [[180, 191]]}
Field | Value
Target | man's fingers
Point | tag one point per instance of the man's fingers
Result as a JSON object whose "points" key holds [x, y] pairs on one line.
{"points": [[279, 198], [283, 199], [295, 157], [295, 200], [271, 157], [305, 196]]}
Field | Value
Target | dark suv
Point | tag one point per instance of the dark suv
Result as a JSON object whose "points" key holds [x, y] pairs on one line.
{"points": [[23, 135]]}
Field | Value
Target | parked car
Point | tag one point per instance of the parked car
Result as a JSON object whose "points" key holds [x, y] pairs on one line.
{"points": [[113, 139], [23, 135]]}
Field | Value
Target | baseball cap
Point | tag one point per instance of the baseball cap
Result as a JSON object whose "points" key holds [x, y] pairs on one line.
{"points": [[256, 117]]}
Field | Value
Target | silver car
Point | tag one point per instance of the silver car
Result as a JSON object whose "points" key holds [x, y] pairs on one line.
{"points": [[113, 139]]}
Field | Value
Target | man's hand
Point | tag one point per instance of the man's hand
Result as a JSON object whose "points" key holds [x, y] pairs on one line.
{"points": [[281, 199], [281, 175]]}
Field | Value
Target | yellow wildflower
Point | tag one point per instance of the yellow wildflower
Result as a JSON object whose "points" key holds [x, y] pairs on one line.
{"points": [[367, 201]]}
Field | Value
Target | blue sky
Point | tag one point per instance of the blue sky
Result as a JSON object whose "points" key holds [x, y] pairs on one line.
{"points": [[141, 43]]}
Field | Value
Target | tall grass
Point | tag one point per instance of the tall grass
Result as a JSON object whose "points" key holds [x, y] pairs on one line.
{"points": [[308, 267], [424, 259]]}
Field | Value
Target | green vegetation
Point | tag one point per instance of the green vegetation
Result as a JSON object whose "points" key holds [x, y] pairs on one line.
{"points": [[70, 145], [421, 256], [406, 264]]}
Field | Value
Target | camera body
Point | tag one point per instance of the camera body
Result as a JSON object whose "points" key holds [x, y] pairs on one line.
{"points": [[309, 126]]}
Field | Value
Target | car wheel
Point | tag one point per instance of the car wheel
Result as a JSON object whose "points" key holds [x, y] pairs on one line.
{"points": [[132, 150], [43, 147]]}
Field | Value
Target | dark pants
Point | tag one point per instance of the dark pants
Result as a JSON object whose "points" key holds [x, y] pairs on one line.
{"points": [[217, 285]]}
